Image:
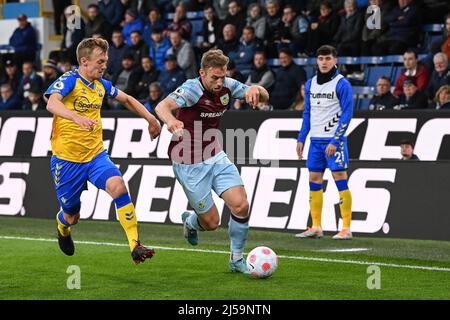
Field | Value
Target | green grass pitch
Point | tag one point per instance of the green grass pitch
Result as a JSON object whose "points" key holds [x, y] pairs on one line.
{"points": [[32, 266]]}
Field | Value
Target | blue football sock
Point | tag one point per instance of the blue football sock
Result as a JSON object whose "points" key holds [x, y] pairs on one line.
{"points": [[238, 232]]}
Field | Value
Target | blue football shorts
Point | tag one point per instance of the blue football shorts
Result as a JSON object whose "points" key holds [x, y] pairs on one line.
{"points": [[318, 161]]}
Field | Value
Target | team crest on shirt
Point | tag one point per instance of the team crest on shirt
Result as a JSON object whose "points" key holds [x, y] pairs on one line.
{"points": [[59, 85], [225, 99], [201, 205]]}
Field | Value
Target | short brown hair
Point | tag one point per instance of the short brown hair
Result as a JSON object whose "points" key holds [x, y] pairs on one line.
{"points": [[87, 46], [214, 59]]}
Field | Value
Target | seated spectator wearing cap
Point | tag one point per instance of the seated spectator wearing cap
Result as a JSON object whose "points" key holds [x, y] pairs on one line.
{"points": [[407, 150], [413, 68], [184, 52], [51, 73], [24, 41], [30, 79], [289, 77], [138, 47], [9, 100], [159, 47], [112, 10], [96, 23], [153, 21], [412, 98], [383, 99], [181, 23], [34, 100], [442, 98], [440, 75], [141, 79], [132, 23], [11, 76], [172, 76], [116, 51], [155, 96], [73, 34]]}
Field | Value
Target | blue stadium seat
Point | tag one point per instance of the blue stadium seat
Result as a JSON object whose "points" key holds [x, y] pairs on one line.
{"points": [[375, 72], [197, 26], [396, 73]]}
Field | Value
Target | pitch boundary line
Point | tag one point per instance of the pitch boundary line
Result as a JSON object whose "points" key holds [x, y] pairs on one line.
{"points": [[405, 266]]}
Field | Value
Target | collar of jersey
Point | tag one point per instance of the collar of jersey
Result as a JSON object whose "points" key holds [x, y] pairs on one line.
{"points": [[89, 84]]}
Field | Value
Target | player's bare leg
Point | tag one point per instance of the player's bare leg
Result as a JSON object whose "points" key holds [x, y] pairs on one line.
{"points": [[115, 187], [345, 204], [236, 200], [316, 204]]}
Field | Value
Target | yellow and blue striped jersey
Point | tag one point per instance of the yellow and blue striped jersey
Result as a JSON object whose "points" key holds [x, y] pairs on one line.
{"points": [[69, 141]]}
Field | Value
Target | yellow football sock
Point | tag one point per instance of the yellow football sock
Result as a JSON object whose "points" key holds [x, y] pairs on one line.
{"points": [[316, 204], [127, 218], [63, 228], [345, 205]]}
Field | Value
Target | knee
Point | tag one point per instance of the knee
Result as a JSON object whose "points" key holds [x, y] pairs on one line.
{"points": [[116, 187], [241, 210], [211, 225], [72, 219]]}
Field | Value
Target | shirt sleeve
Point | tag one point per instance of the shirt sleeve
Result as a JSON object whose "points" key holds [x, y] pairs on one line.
{"points": [[306, 123], [237, 88], [63, 85], [344, 92], [110, 90], [187, 94]]}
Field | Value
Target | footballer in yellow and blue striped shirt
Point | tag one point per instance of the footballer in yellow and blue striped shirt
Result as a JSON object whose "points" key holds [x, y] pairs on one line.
{"points": [[75, 100]]}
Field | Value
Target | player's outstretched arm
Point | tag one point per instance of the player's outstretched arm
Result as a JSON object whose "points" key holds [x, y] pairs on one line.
{"points": [[136, 107], [56, 107], [164, 111]]}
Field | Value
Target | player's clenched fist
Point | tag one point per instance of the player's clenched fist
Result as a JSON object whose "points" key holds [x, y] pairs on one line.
{"points": [[85, 123], [154, 128], [176, 127], [300, 150]]}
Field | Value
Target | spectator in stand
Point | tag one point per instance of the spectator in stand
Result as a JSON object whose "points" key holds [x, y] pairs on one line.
{"points": [[11, 76], [411, 98], [383, 99], [181, 23], [442, 98], [58, 10], [323, 30], [30, 79], [229, 44], [9, 99], [446, 41], [261, 75], [348, 37], [247, 49], [24, 41], [407, 150], [154, 21], [142, 7], [312, 10], [184, 52], [116, 51], [138, 47], [112, 10], [96, 23], [294, 33], [172, 76], [121, 79], [159, 47], [51, 73], [371, 36], [403, 30], [440, 75], [256, 20], [236, 16], [221, 8], [299, 103], [73, 35], [210, 30], [132, 23], [273, 27], [413, 68], [34, 100], [155, 96], [289, 77], [141, 79]]}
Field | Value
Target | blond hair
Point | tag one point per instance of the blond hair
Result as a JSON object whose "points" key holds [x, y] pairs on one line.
{"points": [[439, 91], [214, 59], [87, 46]]}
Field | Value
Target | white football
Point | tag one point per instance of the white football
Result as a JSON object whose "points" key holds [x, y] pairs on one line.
{"points": [[262, 262]]}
